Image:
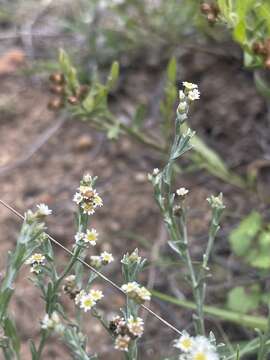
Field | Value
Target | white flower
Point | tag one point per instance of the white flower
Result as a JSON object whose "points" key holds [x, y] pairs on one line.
{"points": [[95, 261], [78, 198], [43, 210], [106, 257], [91, 237], [88, 208], [79, 236], [143, 294], [202, 349], [155, 171], [87, 302], [79, 296], [96, 294], [51, 322], [182, 95], [122, 342], [130, 287], [36, 258], [87, 178], [184, 343], [182, 107], [135, 326], [194, 95], [182, 191], [190, 86]]}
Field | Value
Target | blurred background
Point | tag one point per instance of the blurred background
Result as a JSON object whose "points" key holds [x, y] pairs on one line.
{"points": [[45, 153]]}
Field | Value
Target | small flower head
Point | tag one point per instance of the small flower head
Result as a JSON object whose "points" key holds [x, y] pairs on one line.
{"points": [[95, 261], [36, 258], [106, 258], [189, 86], [130, 287], [202, 349], [79, 236], [156, 171], [136, 292], [77, 198], [52, 322], [122, 342], [87, 302], [43, 210], [144, 294], [182, 95], [135, 326], [194, 95], [96, 294], [216, 201], [36, 261], [91, 237], [182, 191], [184, 343], [79, 296]]}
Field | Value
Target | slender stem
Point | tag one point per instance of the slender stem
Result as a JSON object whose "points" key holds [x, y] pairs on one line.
{"points": [[44, 336], [226, 315]]}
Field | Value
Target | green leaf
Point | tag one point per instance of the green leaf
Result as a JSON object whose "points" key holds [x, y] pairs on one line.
{"points": [[68, 70], [242, 236], [114, 75], [11, 333], [139, 116], [242, 301], [113, 132]]}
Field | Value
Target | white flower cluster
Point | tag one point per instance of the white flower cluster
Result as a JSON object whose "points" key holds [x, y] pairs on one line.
{"points": [[87, 300], [126, 330], [186, 96], [88, 238], [196, 348], [86, 197], [104, 258], [52, 322], [43, 210], [182, 191], [36, 261], [136, 292]]}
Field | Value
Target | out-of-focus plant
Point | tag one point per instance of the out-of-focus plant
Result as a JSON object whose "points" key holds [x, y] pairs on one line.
{"points": [[249, 23], [90, 103], [113, 29]]}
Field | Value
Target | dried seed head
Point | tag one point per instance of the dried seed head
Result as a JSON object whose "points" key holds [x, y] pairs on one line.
{"points": [[259, 48], [57, 89], [267, 62], [57, 78], [205, 8], [55, 104], [73, 100]]}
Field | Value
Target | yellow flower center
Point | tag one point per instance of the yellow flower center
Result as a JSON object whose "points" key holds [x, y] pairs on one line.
{"points": [[186, 343], [200, 356]]}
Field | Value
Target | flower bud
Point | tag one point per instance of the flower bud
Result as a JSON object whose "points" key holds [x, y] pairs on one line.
{"points": [[55, 104], [57, 78], [73, 100]]}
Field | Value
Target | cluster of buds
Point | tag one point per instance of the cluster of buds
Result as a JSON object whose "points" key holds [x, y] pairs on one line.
{"points": [[211, 11], [186, 97], [62, 94], [126, 331], [36, 261], [262, 48], [52, 322], [86, 197], [87, 300], [136, 292], [196, 348]]}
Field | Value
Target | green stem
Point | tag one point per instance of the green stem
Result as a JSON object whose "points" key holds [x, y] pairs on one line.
{"points": [[226, 315]]}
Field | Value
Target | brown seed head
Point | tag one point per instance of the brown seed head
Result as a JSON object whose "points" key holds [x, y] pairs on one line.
{"points": [[73, 100], [57, 78], [57, 89], [55, 104], [205, 8], [259, 48], [82, 91]]}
